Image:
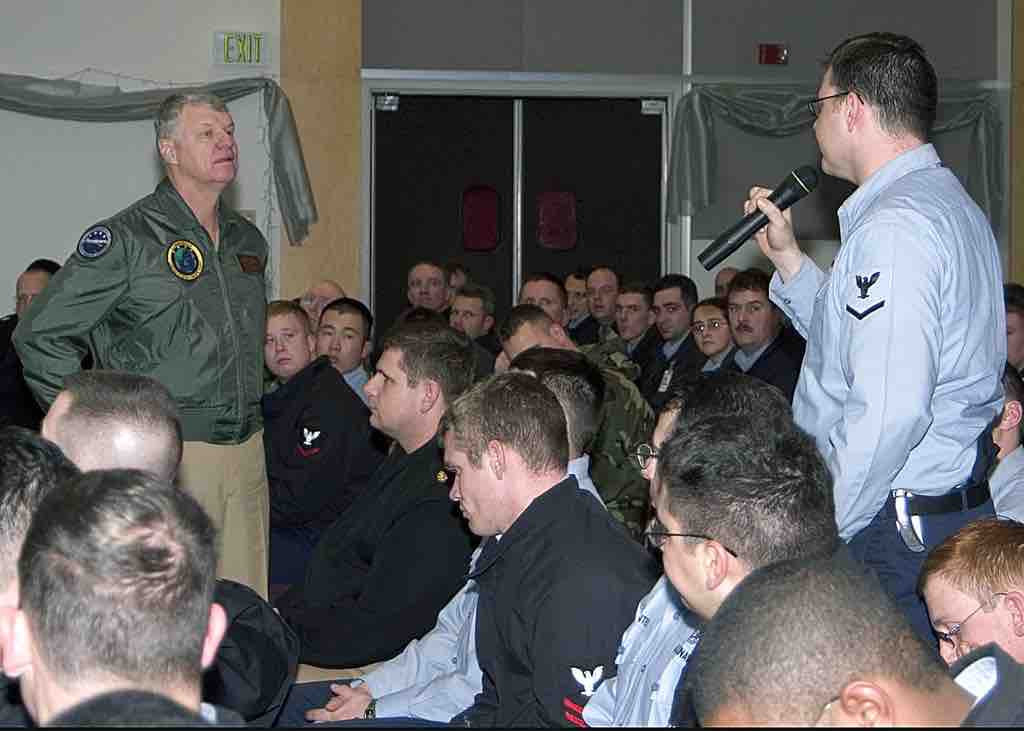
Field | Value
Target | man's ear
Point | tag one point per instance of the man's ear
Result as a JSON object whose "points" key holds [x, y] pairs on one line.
{"points": [[216, 626], [715, 561], [1012, 413], [863, 703], [17, 644], [365, 352], [1014, 602], [488, 323], [431, 395], [651, 317], [495, 456], [559, 334], [168, 153]]}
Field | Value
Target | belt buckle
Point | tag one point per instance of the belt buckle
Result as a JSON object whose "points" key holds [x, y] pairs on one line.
{"points": [[904, 525]]}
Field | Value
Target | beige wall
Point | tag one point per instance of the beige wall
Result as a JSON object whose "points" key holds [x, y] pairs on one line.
{"points": [[321, 56]]}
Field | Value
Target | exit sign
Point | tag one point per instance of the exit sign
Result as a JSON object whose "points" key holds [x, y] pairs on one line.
{"points": [[241, 48]]}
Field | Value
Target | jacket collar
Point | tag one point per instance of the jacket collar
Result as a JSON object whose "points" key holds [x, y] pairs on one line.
{"points": [[540, 513]]}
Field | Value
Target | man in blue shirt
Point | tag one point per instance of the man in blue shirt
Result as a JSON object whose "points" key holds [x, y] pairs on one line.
{"points": [[899, 383]]}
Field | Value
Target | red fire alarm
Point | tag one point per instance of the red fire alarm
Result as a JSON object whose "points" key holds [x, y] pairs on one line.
{"points": [[772, 54]]}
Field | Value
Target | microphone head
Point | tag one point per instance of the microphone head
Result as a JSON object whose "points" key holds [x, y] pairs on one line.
{"points": [[807, 176]]}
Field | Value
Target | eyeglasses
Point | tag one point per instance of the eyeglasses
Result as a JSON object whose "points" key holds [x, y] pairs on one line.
{"points": [[815, 104], [643, 454], [700, 327], [656, 536], [952, 636]]}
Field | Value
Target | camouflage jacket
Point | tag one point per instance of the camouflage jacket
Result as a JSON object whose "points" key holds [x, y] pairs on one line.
{"points": [[626, 420]]}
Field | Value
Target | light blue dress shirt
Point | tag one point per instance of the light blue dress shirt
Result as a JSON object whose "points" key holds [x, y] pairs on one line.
{"points": [[356, 379], [652, 655], [1007, 485], [906, 339]]}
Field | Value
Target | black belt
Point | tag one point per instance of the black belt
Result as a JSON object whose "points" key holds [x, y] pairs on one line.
{"points": [[954, 502]]}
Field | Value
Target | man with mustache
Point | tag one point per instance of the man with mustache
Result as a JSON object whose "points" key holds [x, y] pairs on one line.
{"points": [[764, 348]]}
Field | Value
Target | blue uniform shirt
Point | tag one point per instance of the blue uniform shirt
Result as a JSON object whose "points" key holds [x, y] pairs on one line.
{"points": [[906, 338]]}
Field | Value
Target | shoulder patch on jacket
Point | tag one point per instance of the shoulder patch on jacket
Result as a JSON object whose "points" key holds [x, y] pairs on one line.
{"points": [[95, 242]]}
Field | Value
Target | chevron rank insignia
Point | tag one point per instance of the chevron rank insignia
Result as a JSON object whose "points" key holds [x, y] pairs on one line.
{"points": [[866, 292]]}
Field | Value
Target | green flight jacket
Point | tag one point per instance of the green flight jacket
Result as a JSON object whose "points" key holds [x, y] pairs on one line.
{"points": [[146, 291]]}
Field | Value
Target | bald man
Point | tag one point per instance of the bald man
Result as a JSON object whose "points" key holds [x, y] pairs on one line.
{"points": [[317, 297]]}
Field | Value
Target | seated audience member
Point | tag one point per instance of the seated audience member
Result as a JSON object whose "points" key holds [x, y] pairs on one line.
{"points": [[472, 313], [674, 298], [626, 418], [382, 571], [428, 286], [723, 279], [18, 406], [548, 293], [343, 336], [30, 468], [314, 299], [577, 310], [818, 642], [427, 681], [555, 593], [634, 319], [1006, 481], [1013, 295], [973, 586], [456, 277], [602, 290], [319, 447], [750, 481], [764, 348], [712, 332], [112, 419], [116, 620]]}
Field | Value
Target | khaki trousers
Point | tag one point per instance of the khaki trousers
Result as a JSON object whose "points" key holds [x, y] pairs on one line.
{"points": [[230, 482]]}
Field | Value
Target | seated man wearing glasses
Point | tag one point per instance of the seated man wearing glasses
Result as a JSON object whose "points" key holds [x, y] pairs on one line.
{"points": [[733, 492], [656, 648], [973, 586], [765, 348]]}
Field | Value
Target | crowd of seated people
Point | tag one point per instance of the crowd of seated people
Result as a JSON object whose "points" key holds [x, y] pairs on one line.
{"points": [[570, 513]]}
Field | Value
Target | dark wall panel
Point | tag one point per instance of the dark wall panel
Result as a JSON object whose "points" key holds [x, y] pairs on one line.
{"points": [[960, 38]]}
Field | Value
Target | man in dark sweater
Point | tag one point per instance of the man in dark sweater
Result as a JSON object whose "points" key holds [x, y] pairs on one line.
{"points": [[563, 582], [319, 447], [765, 348], [381, 572]]}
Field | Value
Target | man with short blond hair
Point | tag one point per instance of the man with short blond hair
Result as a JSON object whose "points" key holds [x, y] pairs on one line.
{"points": [[973, 586], [428, 286], [319, 447], [542, 643]]}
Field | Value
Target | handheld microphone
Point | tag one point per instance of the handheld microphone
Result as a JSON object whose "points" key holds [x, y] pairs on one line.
{"points": [[797, 184]]}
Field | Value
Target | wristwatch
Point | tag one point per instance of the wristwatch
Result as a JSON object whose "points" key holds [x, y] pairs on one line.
{"points": [[371, 710]]}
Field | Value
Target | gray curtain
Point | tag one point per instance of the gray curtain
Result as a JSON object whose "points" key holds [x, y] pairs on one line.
{"points": [[73, 100], [781, 111]]}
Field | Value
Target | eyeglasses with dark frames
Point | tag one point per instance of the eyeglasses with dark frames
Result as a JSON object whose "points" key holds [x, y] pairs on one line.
{"points": [[643, 454], [815, 104], [657, 536]]}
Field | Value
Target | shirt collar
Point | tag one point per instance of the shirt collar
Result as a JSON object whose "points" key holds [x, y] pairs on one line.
{"points": [[918, 158]]}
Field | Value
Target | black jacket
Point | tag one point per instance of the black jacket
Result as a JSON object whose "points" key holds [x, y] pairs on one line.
{"points": [[555, 594], [382, 572], [685, 361], [1004, 704], [18, 406], [647, 351], [779, 364], [320, 449], [587, 332]]}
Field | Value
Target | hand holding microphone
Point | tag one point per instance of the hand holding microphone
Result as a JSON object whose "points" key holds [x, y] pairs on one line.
{"points": [[765, 218]]}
